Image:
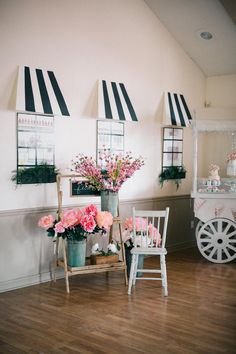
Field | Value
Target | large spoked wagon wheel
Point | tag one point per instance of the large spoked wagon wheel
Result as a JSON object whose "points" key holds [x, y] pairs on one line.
{"points": [[216, 240], [199, 225]]}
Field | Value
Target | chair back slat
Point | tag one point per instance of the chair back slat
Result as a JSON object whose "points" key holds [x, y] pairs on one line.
{"points": [[147, 225]]}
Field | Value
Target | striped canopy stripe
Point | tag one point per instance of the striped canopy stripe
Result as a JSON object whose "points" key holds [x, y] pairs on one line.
{"points": [[176, 110], [38, 92], [114, 102]]}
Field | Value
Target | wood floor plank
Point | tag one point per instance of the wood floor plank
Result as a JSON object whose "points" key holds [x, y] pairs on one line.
{"points": [[198, 317]]}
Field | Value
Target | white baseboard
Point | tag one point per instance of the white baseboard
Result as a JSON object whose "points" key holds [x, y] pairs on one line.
{"points": [[28, 281]]}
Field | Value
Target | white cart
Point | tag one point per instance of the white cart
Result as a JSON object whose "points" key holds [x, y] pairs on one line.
{"points": [[214, 206]]}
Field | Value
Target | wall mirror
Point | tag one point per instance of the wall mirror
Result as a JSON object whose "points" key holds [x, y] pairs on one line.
{"points": [[172, 150], [110, 136], [35, 144]]}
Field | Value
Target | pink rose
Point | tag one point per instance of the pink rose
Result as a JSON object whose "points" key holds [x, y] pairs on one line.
{"points": [[104, 219], [71, 217], [128, 224], [91, 210], [46, 222], [88, 223], [59, 228]]}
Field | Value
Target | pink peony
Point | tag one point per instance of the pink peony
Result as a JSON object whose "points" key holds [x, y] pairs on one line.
{"points": [[104, 219], [59, 228], [91, 210], [152, 232], [88, 223], [71, 217], [141, 224], [46, 222]]}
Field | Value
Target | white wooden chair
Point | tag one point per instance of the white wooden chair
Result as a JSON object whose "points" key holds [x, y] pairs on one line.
{"points": [[146, 243]]}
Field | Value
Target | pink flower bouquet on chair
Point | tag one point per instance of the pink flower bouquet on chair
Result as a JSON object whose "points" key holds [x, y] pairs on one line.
{"points": [[141, 227]]}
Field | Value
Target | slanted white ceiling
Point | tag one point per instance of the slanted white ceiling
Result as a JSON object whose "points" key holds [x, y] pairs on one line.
{"points": [[185, 19]]}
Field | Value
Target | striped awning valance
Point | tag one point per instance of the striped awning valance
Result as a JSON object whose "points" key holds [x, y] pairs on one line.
{"points": [[176, 111], [114, 102], [38, 92]]}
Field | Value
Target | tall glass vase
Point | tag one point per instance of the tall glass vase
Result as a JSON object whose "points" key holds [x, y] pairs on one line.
{"points": [[109, 202], [76, 253]]}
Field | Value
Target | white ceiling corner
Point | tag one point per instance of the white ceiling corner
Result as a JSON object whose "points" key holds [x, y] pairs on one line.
{"points": [[185, 19]]}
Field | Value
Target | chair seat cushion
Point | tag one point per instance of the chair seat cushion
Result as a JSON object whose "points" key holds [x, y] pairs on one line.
{"points": [[151, 250]]}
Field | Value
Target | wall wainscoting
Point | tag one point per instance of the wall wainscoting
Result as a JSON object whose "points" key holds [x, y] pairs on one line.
{"points": [[26, 254]]}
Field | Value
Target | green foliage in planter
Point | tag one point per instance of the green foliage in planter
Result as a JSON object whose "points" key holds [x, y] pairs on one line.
{"points": [[42, 173], [172, 173]]}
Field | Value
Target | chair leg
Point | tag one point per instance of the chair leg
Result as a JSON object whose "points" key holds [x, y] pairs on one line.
{"points": [[131, 274], [164, 275], [135, 269]]}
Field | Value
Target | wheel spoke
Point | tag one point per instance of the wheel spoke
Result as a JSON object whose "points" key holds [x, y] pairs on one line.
{"points": [[232, 247], [232, 241], [207, 247], [212, 252], [219, 226], [213, 228], [227, 253], [233, 233], [205, 240], [227, 228], [206, 233], [219, 254]]}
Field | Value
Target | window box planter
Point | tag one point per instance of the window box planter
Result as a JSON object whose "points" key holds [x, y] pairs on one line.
{"points": [[172, 173], [34, 175]]}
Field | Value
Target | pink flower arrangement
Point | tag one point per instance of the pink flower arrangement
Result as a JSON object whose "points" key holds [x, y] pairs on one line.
{"points": [[141, 226], [111, 171], [77, 223], [231, 156]]}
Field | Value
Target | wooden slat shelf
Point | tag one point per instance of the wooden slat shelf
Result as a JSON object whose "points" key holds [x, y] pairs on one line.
{"points": [[93, 268], [88, 268]]}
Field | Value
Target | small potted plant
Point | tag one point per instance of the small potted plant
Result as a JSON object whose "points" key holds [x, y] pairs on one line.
{"points": [[43, 173], [104, 257], [175, 173]]}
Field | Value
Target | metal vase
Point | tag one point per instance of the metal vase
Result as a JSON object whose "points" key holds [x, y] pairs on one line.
{"points": [[109, 202], [76, 253]]}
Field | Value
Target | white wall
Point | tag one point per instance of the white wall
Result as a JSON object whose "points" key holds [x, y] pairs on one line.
{"points": [[83, 41], [221, 91]]}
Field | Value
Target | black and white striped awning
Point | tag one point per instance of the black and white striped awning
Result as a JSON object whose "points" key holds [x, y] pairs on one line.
{"points": [[176, 111], [38, 92], [114, 102]]}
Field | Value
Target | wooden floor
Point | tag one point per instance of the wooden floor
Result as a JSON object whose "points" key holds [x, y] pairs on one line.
{"points": [[199, 316]]}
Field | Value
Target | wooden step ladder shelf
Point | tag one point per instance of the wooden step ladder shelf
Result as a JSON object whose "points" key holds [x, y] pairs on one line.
{"points": [[88, 268]]}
